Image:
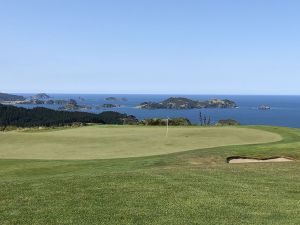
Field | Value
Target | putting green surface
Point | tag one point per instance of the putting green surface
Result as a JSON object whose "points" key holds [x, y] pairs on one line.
{"points": [[105, 142]]}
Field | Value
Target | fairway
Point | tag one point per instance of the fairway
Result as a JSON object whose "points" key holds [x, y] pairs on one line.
{"points": [[105, 142]]}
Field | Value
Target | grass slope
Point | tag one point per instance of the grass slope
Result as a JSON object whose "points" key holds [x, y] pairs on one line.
{"points": [[104, 142], [193, 187]]}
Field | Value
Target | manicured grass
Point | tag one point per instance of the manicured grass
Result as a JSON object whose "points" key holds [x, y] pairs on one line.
{"points": [[104, 142], [191, 187]]}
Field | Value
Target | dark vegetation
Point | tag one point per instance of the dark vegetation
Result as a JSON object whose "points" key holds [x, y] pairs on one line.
{"points": [[110, 117], [228, 122], [206, 120], [21, 117], [163, 122]]}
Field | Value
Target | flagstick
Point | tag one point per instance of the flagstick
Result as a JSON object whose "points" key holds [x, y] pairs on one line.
{"points": [[167, 127]]}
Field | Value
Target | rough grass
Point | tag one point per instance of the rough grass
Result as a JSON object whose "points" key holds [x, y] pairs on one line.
{"points": [[104, 142], [192, 187]]}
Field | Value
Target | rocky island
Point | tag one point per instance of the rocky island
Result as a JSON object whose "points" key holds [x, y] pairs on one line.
{"points": [[264, 107], [72, 105], [40, 96], [185, 103]]}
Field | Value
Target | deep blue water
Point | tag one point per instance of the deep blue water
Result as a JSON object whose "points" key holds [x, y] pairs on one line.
{"points": [[285, 110]]}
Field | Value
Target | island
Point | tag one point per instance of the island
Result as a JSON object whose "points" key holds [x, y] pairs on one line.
{"points": [[40, 96], [185, 103], [115, 99], [72, 105], [111, 99], [4, 97], [264, 107]]}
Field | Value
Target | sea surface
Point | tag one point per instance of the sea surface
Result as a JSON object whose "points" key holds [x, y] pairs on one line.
{"points": [[285, 110]]}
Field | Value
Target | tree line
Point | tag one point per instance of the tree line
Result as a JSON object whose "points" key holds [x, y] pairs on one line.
{"points": [[21, 117]]}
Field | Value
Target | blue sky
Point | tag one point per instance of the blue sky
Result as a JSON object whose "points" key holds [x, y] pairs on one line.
{"points": [[150, 46]]}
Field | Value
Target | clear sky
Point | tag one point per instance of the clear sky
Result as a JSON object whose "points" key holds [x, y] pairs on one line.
{"points": [[150, 46]]}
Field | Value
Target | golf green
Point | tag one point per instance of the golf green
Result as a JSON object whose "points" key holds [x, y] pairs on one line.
{"points": [[104, 142]]}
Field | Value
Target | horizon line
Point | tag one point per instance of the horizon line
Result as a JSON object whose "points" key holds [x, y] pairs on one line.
{"points": [[86, 93]]}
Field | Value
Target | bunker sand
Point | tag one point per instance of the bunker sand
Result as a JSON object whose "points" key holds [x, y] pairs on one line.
{"points": [[253, 160]]}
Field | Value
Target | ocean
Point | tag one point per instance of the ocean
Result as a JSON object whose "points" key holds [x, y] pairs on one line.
{"points": [[285, 110]]}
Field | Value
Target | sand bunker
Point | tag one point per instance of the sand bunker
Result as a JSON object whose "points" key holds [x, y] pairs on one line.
{"points": [[255, 160]]}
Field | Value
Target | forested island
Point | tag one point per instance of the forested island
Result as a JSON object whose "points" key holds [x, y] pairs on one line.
{"points": [[185, 103], [72, 105]]}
